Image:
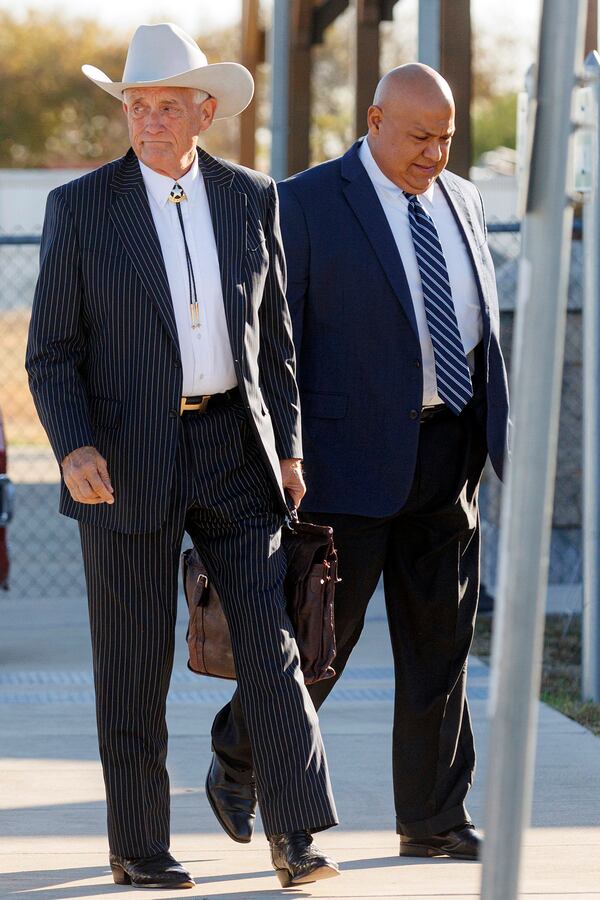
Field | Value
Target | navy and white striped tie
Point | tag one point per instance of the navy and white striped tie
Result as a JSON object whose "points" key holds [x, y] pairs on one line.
{"points": [[451, 367]]}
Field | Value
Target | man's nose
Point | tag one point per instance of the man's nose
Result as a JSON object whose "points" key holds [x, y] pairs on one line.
{"points": [[153, 121], [433, 151]]}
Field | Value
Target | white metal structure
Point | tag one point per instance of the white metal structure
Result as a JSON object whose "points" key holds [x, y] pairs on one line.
{"points": [[537, 364]]}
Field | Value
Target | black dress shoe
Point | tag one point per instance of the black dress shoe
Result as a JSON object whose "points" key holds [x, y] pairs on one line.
{"points": [[233, 803], [160, 871], [297, 861], [463, 842]]}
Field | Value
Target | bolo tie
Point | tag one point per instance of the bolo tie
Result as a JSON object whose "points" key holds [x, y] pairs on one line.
{"points": [[177, 196]]}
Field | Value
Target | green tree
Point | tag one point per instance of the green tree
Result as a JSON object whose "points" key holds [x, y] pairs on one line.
{"points": [[494, 124], [333, 100], [52, 115], [495, 85]]}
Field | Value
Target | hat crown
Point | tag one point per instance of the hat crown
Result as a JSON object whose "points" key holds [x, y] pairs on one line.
{"points": [[161, 51]]}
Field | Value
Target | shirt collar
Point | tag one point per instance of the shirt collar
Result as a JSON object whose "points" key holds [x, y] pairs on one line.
{"points": [[160, 186], [381, 181]]}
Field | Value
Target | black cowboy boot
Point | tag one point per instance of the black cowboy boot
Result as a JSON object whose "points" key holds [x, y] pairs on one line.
{"points": [[297, 861]]}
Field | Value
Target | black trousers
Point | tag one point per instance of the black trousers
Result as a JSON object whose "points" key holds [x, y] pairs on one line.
{"points": [[223, 497], [428, 554]]}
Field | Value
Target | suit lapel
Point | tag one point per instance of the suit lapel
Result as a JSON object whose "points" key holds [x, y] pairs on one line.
{"points": [[363, 199], [461, 213], [228, 213], [130, 213]]}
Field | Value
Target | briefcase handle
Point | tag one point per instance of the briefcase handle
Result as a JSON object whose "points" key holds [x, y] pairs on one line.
{"points": [[292, 510]]}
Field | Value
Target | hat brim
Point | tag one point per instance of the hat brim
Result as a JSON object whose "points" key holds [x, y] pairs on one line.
{"points": [[230, 84]]}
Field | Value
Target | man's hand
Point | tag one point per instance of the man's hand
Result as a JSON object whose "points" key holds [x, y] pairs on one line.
{"points": [[293, 479], [86, 476]]}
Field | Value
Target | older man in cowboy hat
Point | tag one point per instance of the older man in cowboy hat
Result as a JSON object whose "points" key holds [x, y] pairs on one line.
{"points": [[161, 364]]}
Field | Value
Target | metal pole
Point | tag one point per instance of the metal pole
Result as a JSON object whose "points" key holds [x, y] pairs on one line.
{"points": [[429, 33], [279, 54], [590, 682], [527, 503]]}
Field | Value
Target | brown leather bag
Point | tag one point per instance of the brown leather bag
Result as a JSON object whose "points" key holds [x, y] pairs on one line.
{"points": [[309, 589]]}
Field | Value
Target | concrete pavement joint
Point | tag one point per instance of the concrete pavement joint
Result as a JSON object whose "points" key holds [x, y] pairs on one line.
{"points": [[206, 698]]}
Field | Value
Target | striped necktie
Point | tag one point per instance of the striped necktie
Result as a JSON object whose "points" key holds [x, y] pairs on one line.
{"points": [[451, 367]]}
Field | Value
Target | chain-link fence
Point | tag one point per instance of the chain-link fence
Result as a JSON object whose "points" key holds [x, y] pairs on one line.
{"points": [[565, 575], [45, 558], [45, 554]]}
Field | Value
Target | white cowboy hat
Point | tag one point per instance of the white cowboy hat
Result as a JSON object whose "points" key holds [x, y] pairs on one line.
{"points": [[164, 55]]}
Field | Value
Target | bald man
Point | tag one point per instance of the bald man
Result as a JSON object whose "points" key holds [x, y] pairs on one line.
{"points": [[404, 394]]}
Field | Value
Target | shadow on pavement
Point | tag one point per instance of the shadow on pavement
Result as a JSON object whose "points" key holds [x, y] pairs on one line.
{"points": [[41, 884]]}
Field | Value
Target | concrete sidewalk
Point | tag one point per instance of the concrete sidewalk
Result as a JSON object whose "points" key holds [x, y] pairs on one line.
{"points": [[53, 842]]}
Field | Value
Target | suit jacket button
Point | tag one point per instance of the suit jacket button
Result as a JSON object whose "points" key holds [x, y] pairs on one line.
{"points": [[173, 414], [176, 364], [414, 414], [417, 363]]}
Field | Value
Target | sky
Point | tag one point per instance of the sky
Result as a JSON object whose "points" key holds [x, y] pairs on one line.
{"points": [[193, 15]]}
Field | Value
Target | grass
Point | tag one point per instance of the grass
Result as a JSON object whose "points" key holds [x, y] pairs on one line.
{"points": [[561, 672], [20, 417]]}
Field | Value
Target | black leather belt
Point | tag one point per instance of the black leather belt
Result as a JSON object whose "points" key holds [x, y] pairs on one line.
{"points": [[201, 402], [429, 412]]}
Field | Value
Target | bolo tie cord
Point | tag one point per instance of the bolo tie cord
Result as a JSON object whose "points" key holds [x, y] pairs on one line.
{"points": [[177, 196]]}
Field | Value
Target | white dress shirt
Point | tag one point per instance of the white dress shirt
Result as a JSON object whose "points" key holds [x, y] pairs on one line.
{"points": [[458, 262], [206, 355]]}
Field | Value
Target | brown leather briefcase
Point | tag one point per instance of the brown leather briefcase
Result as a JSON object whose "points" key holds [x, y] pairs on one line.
{"points": [[309, 589]]}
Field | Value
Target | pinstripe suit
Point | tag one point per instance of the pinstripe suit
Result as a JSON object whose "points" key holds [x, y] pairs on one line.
{"points": [[105, 371]]}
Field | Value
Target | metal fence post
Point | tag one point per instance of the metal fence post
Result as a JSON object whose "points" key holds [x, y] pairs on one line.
{"points": [[538, 351], [590, 682], [429, 33], [279, 54]]}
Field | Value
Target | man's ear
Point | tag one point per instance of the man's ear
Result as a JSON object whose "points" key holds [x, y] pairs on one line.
{"points": [[374, 119], [207, 112]]}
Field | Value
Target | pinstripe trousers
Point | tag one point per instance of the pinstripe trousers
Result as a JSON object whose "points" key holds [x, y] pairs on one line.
{"points": [[223, 497]]}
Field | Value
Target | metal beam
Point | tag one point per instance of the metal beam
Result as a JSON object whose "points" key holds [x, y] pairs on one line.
{"points": [[538, 351], [279, 53], [591, 28], [324, 14], [299, 96], [590, 668], [366, 59], [252, 49], [429, 33], [455, 66]]}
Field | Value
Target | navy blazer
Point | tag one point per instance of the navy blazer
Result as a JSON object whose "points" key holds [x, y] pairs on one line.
{"points": [[103, 354], [357, 345]]}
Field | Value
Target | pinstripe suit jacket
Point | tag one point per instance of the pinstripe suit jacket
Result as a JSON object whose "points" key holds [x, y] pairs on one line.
{"points": [[103, 354]]}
